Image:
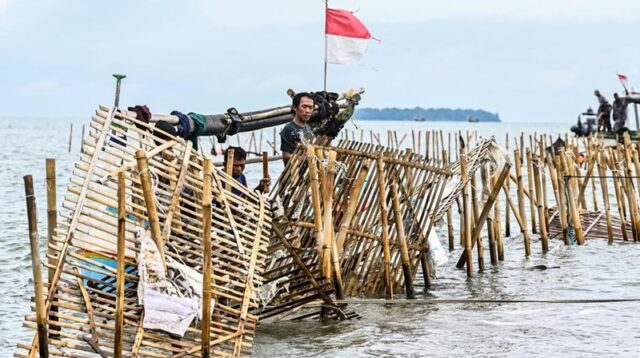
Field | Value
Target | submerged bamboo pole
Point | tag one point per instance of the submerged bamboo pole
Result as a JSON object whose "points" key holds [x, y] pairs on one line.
{"points": [[206, 258], [402, 242], [120, 279], [36, 265], [384, 222]]}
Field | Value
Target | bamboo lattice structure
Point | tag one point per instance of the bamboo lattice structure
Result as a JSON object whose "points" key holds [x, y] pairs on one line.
{"points": [[162, 184]]}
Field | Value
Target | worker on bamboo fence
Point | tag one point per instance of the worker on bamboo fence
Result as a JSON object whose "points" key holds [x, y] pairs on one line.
{"points": [[239, 161], [298, 130], [604, 112], [619, 114]]}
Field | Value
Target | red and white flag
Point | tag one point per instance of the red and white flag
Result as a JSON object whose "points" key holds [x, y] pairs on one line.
{"points": [[347, 38], [624, 81]]}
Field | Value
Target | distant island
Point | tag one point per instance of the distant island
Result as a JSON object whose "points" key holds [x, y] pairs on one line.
{"points": [[428, 114]]}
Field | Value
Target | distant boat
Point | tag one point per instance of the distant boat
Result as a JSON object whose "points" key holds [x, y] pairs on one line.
{"points": [[473, 120], [419, 119]]}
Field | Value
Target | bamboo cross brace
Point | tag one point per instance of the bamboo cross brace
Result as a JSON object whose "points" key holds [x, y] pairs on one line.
{"points": [[227, 209], [175, 198]]}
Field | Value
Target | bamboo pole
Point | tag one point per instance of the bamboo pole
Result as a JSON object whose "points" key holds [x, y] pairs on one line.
{"points": [[70, 136], [328, 224], [315, 202], [52, 223], [535, 165], [265, 165], [532, 205], [487, 185], [230, 158], [605, 195], [402, 242], [466, 220], [497, 225], [120, 279], [474, 217], [619, 194], [555, 171], [384, 222], [521, 208], [570, 189], [206, 258], [507, 214], [36, 265], [150, 202]]}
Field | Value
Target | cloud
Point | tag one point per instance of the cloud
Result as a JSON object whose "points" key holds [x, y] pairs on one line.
{"points": [[4, 6]]}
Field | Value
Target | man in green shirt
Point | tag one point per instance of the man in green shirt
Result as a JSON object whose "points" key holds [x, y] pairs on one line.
{"points": [[297, 131]]}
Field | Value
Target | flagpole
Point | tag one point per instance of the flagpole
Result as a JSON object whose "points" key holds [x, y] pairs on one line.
{"points": [[326, 8]]}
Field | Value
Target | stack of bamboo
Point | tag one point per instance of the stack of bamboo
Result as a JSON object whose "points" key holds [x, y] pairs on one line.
{"points": [[130, 180]]}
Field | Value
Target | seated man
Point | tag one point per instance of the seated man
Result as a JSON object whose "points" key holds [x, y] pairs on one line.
{"points": [[297, 131], [239, 160]]}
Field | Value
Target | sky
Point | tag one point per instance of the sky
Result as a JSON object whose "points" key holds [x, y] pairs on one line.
{"points": [[526, 60]]}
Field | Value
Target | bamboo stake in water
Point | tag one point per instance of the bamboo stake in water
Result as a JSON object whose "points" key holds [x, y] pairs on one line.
{"points": [[605, 196], [532, 207], [402, 242], [41, 316], [507, 213], [466, 220], [206, 258], [521, 209], [70, 136], [541, 209], [384, 222], [120, 279], [52, 223]]}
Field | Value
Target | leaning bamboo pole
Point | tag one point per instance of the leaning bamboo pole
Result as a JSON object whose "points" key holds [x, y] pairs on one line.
{"points": [[36, 265], [150, 202], [402, 242]]}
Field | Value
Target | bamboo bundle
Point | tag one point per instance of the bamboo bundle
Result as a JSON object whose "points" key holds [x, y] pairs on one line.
{"points": [[96, 246]]}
